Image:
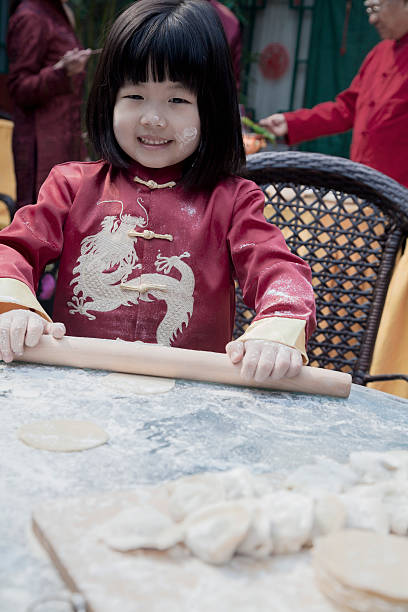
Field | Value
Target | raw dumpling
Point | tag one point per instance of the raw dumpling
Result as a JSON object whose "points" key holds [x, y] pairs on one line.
{"points": [[258, 541], [215, 532], [290, 520], [329, 516], [192, 493], [323, 477], [141, 527]]}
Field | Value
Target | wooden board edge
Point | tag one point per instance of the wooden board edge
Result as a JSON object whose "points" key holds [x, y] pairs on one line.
{"points": [[63, 572]]}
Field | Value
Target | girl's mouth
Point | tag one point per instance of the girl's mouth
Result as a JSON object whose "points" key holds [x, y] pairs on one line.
{"points": [[153, 141]]}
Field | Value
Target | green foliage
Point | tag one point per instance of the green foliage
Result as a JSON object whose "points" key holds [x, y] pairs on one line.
{"points": [[94, 17]]}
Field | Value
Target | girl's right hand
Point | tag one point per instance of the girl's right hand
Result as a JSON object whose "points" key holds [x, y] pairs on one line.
{"points": [[19, 328]]}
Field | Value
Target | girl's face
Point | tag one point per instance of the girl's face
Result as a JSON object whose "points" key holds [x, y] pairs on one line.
{"points": [[156, 123]]}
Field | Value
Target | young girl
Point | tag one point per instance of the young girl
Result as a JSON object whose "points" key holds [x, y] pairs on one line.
{"points": [[151, 237]]}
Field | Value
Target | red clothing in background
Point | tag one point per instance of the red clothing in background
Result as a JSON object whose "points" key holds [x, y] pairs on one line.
{"points": [[375, 106], [184, 265], [233, 34], [47, 102]]}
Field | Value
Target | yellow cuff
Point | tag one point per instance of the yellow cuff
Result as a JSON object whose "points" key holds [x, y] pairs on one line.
{"points": [[279, 329], [15, 294]]}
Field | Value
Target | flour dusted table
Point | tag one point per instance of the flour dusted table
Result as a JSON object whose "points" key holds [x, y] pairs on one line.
{"points": [[195, 427]]}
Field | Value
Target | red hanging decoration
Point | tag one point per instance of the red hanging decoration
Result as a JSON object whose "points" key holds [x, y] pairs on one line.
{"points": [[274, 61]]}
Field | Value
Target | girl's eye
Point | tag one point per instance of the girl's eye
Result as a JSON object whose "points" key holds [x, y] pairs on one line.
{"points": [[134, 97], [179, 101]]}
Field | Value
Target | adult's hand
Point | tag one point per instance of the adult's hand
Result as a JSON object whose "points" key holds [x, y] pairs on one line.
{"points": [[74, 61], [276, 124]]}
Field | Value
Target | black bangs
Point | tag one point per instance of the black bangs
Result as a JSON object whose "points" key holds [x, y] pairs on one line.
{"points": [[165, 50]]}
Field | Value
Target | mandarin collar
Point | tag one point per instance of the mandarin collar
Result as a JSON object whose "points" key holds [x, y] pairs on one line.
{"points": [[159, 175]]}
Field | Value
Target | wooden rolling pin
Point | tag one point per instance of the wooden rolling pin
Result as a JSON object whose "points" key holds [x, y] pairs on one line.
{"points": [[156, 360]]}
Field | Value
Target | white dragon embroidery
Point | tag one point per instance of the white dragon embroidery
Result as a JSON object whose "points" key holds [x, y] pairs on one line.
{"points": [[107, 260]]}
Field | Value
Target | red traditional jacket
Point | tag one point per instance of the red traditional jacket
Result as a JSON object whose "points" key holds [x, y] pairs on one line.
{"points": [[47, 102], [141, 259], [375, 106]]}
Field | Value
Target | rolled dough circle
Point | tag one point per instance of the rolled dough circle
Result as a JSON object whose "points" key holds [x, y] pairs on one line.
{"points": [[62, 435], [138, 384], [365, 561]]}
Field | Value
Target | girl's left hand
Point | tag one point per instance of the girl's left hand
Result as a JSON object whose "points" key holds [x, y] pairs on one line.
{"points": [[262, 359]]}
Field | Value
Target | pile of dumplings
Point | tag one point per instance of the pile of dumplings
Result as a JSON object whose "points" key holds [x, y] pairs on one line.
{"points": [[218, 515]]}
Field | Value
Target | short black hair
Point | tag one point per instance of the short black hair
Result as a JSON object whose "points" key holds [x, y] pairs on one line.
{"points": [[184, 41]]}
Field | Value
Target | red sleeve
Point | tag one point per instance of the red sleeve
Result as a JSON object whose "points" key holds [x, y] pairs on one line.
{"points": [[35, 237], [274, 281], [29, 82], [328, 117]]}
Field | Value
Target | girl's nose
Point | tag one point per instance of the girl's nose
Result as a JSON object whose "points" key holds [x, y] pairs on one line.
{"points": [[153, 118]]}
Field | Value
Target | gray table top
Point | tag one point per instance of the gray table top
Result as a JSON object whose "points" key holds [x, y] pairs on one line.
{"points": [[195, 427]]}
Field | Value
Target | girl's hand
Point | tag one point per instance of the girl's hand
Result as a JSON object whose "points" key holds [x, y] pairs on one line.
{"points": [[262, 359], [19, 328]]}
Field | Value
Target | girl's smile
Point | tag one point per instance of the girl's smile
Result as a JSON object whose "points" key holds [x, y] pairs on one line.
{"points": [[148, 141], [156, 123]]}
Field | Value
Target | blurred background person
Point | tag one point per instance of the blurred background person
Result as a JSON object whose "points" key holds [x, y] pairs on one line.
{"points": [[46, 74], [232, 29], [375, 105]]}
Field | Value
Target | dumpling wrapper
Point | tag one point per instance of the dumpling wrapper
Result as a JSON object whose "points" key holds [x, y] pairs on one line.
{"points": [[365, 561], [62, 435]]}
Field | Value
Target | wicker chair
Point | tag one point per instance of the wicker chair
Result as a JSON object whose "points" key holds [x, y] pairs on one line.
{"points": [[348, 222], [10, 205]]}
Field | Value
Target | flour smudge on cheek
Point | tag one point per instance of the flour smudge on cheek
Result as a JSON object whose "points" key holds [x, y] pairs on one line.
{"points": [[187, 136]]}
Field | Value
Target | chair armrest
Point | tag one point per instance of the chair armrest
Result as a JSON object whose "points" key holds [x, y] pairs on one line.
{"points": [[384, 377]]}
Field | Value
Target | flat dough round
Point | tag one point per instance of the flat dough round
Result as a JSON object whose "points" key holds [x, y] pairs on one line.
{"points": [[365, 561], [62, 435], [136, 383]]}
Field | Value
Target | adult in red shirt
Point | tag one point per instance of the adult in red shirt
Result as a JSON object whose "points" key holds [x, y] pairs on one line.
{"points": [[375, 105], [46, 64]]}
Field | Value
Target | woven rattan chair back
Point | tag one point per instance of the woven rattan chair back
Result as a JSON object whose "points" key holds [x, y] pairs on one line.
{"points": [[348, 222]]}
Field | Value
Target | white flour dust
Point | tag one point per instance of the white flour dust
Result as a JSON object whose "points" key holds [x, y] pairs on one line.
{"points": [[187, 136]]}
